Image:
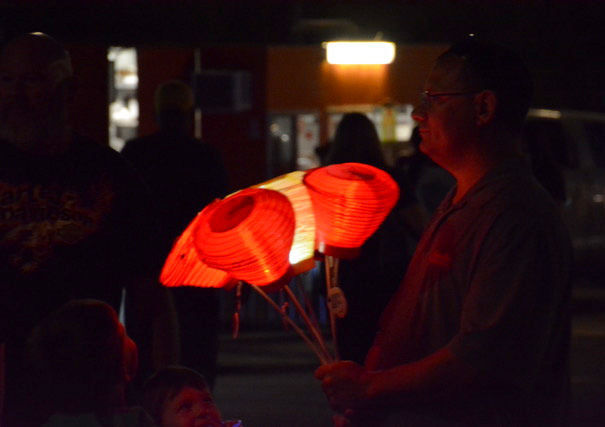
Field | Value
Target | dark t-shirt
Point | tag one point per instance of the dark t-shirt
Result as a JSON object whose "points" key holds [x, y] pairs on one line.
{"points": [[183, 174], [74, 225]]}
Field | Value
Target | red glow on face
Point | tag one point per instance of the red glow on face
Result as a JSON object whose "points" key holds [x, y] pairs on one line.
{"points": [[350, 201]]}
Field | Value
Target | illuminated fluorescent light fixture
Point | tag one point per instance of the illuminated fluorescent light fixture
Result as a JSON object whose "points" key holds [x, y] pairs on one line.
{"points": [[355, 52]]}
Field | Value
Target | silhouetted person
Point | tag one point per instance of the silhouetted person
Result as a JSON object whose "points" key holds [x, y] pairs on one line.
{"points": [[76, 219], [81, 361], [547, 152], [184, 175], [369, 280], [429, 181], [478, 332]]}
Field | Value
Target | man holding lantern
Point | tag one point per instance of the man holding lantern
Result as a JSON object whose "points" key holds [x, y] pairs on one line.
{"points": [[478, 332]]}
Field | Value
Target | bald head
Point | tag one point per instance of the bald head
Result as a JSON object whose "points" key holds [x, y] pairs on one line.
{"points": [[41, 52], [174, 106], [35, 86]]}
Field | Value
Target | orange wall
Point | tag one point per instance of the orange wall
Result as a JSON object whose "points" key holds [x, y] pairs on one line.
{"points": [[239, 135], [409, 70], [299, 79]]}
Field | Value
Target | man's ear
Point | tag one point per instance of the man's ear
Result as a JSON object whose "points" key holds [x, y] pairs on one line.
{"points": [[485, 107]]}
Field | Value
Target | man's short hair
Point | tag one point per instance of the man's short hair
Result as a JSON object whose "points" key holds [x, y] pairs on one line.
{"points": [[173, 95], [489, 66]]}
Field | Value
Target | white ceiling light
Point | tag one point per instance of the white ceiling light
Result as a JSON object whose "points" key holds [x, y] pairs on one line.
{"points": [[358, 52]]}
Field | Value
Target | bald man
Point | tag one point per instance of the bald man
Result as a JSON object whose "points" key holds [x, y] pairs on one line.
{"points": [[36, 86], [75, 220]]}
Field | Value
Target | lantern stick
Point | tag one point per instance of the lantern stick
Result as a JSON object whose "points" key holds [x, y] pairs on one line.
{"points": [[294, 326], [307, 303], [331, 264], [314, 331]]}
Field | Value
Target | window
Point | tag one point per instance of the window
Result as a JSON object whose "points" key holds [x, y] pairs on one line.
{"points": [[123, 103]]}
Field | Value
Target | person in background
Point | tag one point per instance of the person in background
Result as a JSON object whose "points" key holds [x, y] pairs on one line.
{"points": [[548, 156], [81, 361], [76, 220], [478, 332], [370, 280], [429, 181], [177, 396], [184, 175]]}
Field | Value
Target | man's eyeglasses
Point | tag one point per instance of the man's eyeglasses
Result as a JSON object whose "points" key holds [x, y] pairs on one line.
{"points": [[428, 98]]}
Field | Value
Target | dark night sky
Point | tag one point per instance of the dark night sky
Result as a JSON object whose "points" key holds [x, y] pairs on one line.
{"points": [[562, 40]]}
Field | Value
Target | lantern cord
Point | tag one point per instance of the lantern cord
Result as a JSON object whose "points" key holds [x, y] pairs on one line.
{"points": [[314, 331], [331, 264], [237, 309], [307, 303], [290, 322]]}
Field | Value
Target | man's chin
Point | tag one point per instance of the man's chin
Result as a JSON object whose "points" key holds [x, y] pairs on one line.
{"points": [[423, 146]]}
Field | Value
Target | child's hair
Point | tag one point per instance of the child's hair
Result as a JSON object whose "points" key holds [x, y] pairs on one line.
{"points": [[81, 353], [165, 384]]}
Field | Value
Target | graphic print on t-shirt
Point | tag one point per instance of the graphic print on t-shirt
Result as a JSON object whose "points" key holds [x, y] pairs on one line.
{"points": [[37, 219]]}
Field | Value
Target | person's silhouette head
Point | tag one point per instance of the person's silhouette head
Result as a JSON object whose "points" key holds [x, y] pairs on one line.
{"points": [[356, 140], [474, 104], [174, 105]]}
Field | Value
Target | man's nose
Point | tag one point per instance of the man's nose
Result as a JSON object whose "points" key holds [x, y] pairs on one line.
{"points": [[419, 113]]}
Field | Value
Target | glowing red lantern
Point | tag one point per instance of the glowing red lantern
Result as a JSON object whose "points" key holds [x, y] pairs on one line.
{"points": [[248, 234], [303, 246], [350, 201], [183, 267]]}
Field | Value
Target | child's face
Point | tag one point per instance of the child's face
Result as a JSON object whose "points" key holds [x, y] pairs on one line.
{"points": [[191, 408]]}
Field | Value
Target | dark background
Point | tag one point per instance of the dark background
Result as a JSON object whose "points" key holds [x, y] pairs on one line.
{"points": [[562, 41]]}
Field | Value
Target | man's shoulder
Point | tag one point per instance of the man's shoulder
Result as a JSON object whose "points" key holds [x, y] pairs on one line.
{"points": [[140, 142], [512, 185]]}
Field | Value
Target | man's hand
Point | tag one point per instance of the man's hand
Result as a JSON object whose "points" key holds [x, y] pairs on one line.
{"points": [[345, 384]]}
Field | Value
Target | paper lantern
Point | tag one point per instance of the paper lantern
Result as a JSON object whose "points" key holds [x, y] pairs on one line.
{"points": [[183, 267], [249, 235], [350, 201], [303, 246]]}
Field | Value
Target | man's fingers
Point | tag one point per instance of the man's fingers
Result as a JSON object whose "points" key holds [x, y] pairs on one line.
{"points": [[321, 372], [342, 365]]}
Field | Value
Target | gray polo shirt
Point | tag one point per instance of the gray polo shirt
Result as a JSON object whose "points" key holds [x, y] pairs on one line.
{"points": [[490, 278]]}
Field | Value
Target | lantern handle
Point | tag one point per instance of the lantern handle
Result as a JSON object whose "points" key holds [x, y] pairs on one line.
{"points": [[294, 326], [314, 331], [331, 264]]}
